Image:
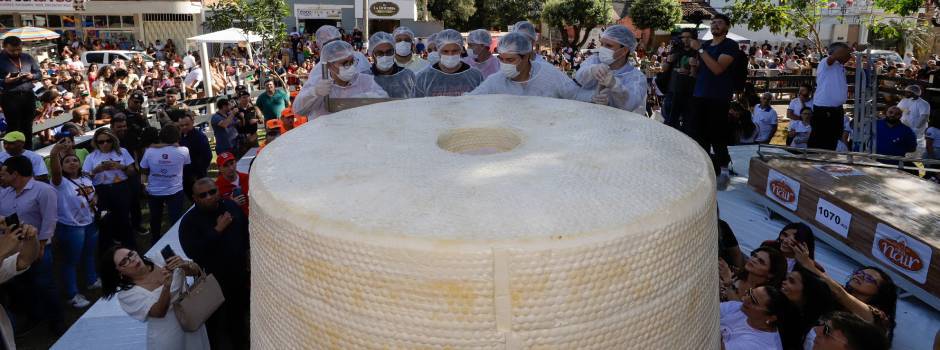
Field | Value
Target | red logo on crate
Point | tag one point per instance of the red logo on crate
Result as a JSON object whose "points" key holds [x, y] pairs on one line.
{"points": [[900, 254], [782, 190]]}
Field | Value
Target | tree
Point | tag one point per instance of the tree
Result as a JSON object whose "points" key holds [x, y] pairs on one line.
{"points": [[917, 34], [903, 8], [799, 17], [655, 14], [580, 15], [264, 18], [454, 13]]}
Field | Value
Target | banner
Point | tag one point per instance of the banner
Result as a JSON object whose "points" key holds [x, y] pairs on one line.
{"points": [[898, 250], [37, 5]]}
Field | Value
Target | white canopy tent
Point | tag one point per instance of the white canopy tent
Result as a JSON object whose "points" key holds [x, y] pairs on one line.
{"points": [[707, 35], [227, 36]]}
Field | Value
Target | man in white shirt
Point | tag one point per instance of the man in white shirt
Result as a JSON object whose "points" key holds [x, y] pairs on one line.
{"points": [[163, 164], [915, 114], [804, 99], [189, 61], [831, 93], [192, 80], [14, 144], [766, 119]]}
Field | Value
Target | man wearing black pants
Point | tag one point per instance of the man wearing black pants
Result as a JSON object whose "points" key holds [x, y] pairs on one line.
{"points": [[712, 95], [831, 93], [18, 71]]}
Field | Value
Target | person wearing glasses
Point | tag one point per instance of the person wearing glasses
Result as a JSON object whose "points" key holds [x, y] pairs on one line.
{"points": [[110, 166], [397, 81], [215, 235], [869, 293], [752, 323], [345, 81], [146, 290], [766, 267], [841, 330]]}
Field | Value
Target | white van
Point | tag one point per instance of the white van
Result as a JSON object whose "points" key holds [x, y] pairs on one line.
{"points": [[104, 58]]}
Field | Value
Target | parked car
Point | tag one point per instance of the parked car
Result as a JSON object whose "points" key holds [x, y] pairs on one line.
{"points": [[104, 58], [891, 56]]}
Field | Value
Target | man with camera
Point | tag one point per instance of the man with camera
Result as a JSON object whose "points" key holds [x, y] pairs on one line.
{"points": [[18, 70]]}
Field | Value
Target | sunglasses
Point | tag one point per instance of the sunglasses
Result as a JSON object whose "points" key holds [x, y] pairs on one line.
{"points": [[103, 141], [866, 276], [204, 195], [127, 259], [751, 295]]}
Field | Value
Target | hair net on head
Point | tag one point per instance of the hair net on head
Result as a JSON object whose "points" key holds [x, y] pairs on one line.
{"points": [[480, 36], [432, 40], [449, 36], [403, 30], [621, 35], [380, 38], [526, 28], [336, 50], [516, 43], [327, 33]]}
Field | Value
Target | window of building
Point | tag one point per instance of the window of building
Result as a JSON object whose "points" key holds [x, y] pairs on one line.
{"points": [[6, 21]]}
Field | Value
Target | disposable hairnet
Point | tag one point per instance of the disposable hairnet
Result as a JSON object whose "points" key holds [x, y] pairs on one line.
{"points": [[525, 27], [336, 50], [327, 33], [480, 36], [403, 30], [380, 38], [432, 40], [449, 36], [516, 43], [622, 35]]}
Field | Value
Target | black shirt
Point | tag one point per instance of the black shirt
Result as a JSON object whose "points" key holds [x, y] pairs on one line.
{"points": [[223, 254], [25, 64], [245, 115]]}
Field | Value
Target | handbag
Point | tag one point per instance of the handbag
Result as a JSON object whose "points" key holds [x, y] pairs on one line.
{"points": [[91, 206], [198, 302]]}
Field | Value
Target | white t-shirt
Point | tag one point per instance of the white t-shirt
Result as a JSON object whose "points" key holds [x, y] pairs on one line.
{"points": [[193, 76], [73, 208], [846, 127], [915, 115], [802, 133], [107, 177], [765, 120], [934, 134], [831, 88], [189, 61], [738, 335], [166, 169], [39, 165], [796, 105]]}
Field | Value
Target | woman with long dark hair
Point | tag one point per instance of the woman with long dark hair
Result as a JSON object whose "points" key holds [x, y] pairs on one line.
{"points": [[794, 233], [869, 293], [766, 267], [811, 299], [145, 291]]}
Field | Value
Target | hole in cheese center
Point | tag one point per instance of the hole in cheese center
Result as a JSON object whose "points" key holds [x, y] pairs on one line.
{"points": [[478, 141]]}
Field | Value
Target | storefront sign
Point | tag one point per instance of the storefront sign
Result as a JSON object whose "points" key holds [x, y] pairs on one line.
{"points": [[384, 9], [903, 253], [838, 170], [37, 5], [317, 12], [833, 217], [783, 189]]}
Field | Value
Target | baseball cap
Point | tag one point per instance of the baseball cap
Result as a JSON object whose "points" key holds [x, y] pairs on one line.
{"points": [[915, 89], [137, 95], [244, 93], [14, 136], [223, 158]]}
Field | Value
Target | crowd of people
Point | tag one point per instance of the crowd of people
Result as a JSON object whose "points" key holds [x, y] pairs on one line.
{"points": [[87, 202]]}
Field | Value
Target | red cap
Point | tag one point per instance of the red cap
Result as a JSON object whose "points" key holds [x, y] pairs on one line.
{"points": [[223, 158]]}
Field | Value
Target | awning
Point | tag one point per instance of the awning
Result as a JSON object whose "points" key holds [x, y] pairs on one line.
{"points": [[228, 36]]}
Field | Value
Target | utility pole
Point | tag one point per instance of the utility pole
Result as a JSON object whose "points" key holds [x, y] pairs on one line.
{"points": [[365, 19]]}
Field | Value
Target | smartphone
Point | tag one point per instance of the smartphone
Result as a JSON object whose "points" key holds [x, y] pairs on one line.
{"points": [[167, 253], [12, 221], [236, 192]]}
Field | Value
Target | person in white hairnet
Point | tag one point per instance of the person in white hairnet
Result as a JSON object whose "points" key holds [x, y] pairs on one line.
{"points": [[528, 29], [478, 53], [397, 81], [325, 34], [520, 75], [609, 77], [345, 81], [405, 55], [450, 76], [433, 56]]}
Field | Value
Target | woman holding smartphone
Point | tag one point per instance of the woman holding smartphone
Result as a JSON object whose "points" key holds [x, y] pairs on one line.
{"points": [[110, 166]]}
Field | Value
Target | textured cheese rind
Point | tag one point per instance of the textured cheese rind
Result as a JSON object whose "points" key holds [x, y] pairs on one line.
{"points": [[327, 279]]}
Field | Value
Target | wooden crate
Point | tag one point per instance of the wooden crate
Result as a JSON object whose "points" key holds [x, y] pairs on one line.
{"points": [[888, 216]]}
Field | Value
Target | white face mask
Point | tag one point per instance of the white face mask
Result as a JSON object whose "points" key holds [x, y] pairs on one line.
{"points": [[434, 57], [509, 70], [471, 54], [450, 61], [385, 62], [810, 342], [605, 55], [348, 74], [403, 48]]}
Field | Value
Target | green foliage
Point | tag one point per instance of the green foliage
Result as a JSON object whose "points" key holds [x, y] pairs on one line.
{"points": [[915, 33], [262, 17], [900, 7], [656, 14], [581, 15], [799, 18], [454, 13]]}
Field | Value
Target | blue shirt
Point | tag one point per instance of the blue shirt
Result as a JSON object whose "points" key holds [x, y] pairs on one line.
{"points": [[26, 63], [894, 141], [709, 85], [224, 136]]}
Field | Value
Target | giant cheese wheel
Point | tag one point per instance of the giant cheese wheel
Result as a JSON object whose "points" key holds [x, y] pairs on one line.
{"points": [[484, 222]]}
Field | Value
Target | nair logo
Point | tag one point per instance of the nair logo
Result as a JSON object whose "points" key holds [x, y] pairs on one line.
{"points": [[900, 254], [781, 190]]}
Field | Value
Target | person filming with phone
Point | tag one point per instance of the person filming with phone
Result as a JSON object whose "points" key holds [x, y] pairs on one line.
{"points": [[232, 184], [19, 71], [19, 249]]}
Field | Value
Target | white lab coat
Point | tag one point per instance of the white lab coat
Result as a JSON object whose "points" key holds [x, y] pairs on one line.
{"points": [[309, 104], [628, 94], [545, 80]]}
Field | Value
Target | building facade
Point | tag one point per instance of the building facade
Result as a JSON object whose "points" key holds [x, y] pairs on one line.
{"points": [[384, 15]]}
